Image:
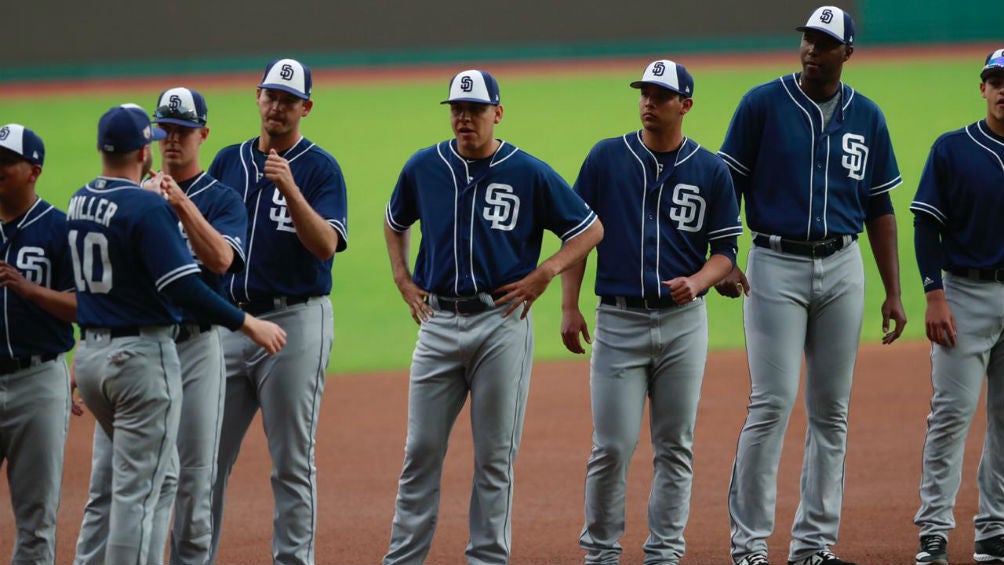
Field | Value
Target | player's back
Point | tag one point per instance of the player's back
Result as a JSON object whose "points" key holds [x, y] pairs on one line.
{"points": [[126, 247]]}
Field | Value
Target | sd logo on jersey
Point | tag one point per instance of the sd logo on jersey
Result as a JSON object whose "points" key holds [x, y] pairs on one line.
{"points": [[688, 209], [32, 262], [503, 206], [855, 157], [280, 213]]}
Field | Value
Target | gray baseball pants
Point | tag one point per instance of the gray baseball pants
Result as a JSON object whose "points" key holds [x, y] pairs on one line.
{"points": [[957, 376], [287, 387], [34, 415], [797, 304], [639, 354], [132, 385], [488, 357]]}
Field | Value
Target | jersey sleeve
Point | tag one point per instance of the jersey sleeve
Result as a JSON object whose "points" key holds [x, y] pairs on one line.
{"points": [[62, 260], [586, 183], [162, 250], [230, 219], [928, 199], [885, 174], [402, 209], [742, 142], [328, 198], [567, 213], [725, 224]]}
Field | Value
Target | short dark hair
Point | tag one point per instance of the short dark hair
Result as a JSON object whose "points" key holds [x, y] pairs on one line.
{"points": [[8, 157]]}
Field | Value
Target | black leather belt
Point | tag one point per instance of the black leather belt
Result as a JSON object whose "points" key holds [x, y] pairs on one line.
{"points": [[815, 249], [461, 305], [993, 275], [114, 332], [261, 306], [658, 303], [188, 331], [10, 365]]}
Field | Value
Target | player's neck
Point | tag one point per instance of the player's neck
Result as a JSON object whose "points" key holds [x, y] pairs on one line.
{"points": [[662, 141], [819, 91], [181, 174], [13, 206], [135, 174], [280, 142], [995, 125]]}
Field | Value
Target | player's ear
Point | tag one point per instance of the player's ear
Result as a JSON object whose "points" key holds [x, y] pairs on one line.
{"points": [[36, 171], [848, 51], [686, 105], [307, 106], [203, 134], [498, 113]]}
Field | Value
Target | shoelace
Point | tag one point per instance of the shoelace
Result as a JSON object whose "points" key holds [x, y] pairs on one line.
{"points": [[757, 560], [934, 544]]}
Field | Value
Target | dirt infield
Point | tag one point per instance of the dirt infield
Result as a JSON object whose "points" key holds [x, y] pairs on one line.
{"points": [[360, 446]]}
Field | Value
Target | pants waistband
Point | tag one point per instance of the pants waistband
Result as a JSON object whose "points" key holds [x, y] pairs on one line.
{"points": [[10, 365], [189, 331], [992, 275], [261, 306], [463, 305], [130, 331], [816, 249], [656, 303]]}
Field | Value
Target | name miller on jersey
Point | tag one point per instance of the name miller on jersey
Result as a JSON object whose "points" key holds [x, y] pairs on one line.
{"points": [[92, 208]]}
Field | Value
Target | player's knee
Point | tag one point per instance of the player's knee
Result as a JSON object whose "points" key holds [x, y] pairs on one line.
{"points": [[612, 453]]}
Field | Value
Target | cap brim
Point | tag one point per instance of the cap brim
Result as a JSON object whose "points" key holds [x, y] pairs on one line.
{"points": [[156, 134], [475, 100], [178, 122], [804, 29], [991, 71], [285, 88], [641, 83]]}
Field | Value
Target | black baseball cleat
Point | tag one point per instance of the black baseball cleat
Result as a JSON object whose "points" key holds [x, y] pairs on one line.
{"points": [[821, 557], [753, 559], [933, 550], [990, 550]]}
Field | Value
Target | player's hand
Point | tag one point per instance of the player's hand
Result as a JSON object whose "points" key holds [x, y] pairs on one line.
{"points": [[155, 182], [13, 279], [171, 191], [523, 292], [892, 309], [939, 322], [76, 403], [734, 284], [266, 334], [572, 326], [416, 299], [277, 170], [683, 289]]}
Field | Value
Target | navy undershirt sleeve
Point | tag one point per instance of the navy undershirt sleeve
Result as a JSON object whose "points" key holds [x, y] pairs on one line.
{"points": [[927, 246], [879, 205], [191, 293]]}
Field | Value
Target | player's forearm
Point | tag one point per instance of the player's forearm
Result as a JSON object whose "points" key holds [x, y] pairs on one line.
{"points": [[313, 231], [397, 250], [882, 238], [207, 243], [573, 250], [714, 270], [571, 284], [62, 305]]}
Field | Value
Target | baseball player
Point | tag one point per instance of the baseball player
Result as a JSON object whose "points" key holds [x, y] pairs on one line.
{"points": [[665, 201], [294, 193], [812, 160], [131, 268], [213, 223], [36, 307], [483, 206], [958, 229]]}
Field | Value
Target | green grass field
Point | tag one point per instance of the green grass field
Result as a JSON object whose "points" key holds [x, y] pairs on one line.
{"points": [[373, 128]]}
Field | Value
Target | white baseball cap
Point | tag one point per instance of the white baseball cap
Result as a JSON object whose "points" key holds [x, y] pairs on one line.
{"points": [[288, 75], [24, 142], [474, 86], [668, 75], [832, 21]]}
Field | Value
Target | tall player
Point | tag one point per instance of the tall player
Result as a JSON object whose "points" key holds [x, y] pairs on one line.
{"points": [[294, 193], [213, 223], [36, 307], [812, 160], [958, 229], [483, 205], [131, 265], [665, 202]]}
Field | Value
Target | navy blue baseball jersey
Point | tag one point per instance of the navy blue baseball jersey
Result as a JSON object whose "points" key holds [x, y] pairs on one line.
{"points": [[500, 205], [683, 205], [960, 189], [224, 210], [277, 263], [810, 183], [35, 244], [126, 247]]}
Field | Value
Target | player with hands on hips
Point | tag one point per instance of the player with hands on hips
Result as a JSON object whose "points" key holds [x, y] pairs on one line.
{"points": [[37, 304], [483, 205], [812, 164], [295, 198], [671, 225], [957, 238]]}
